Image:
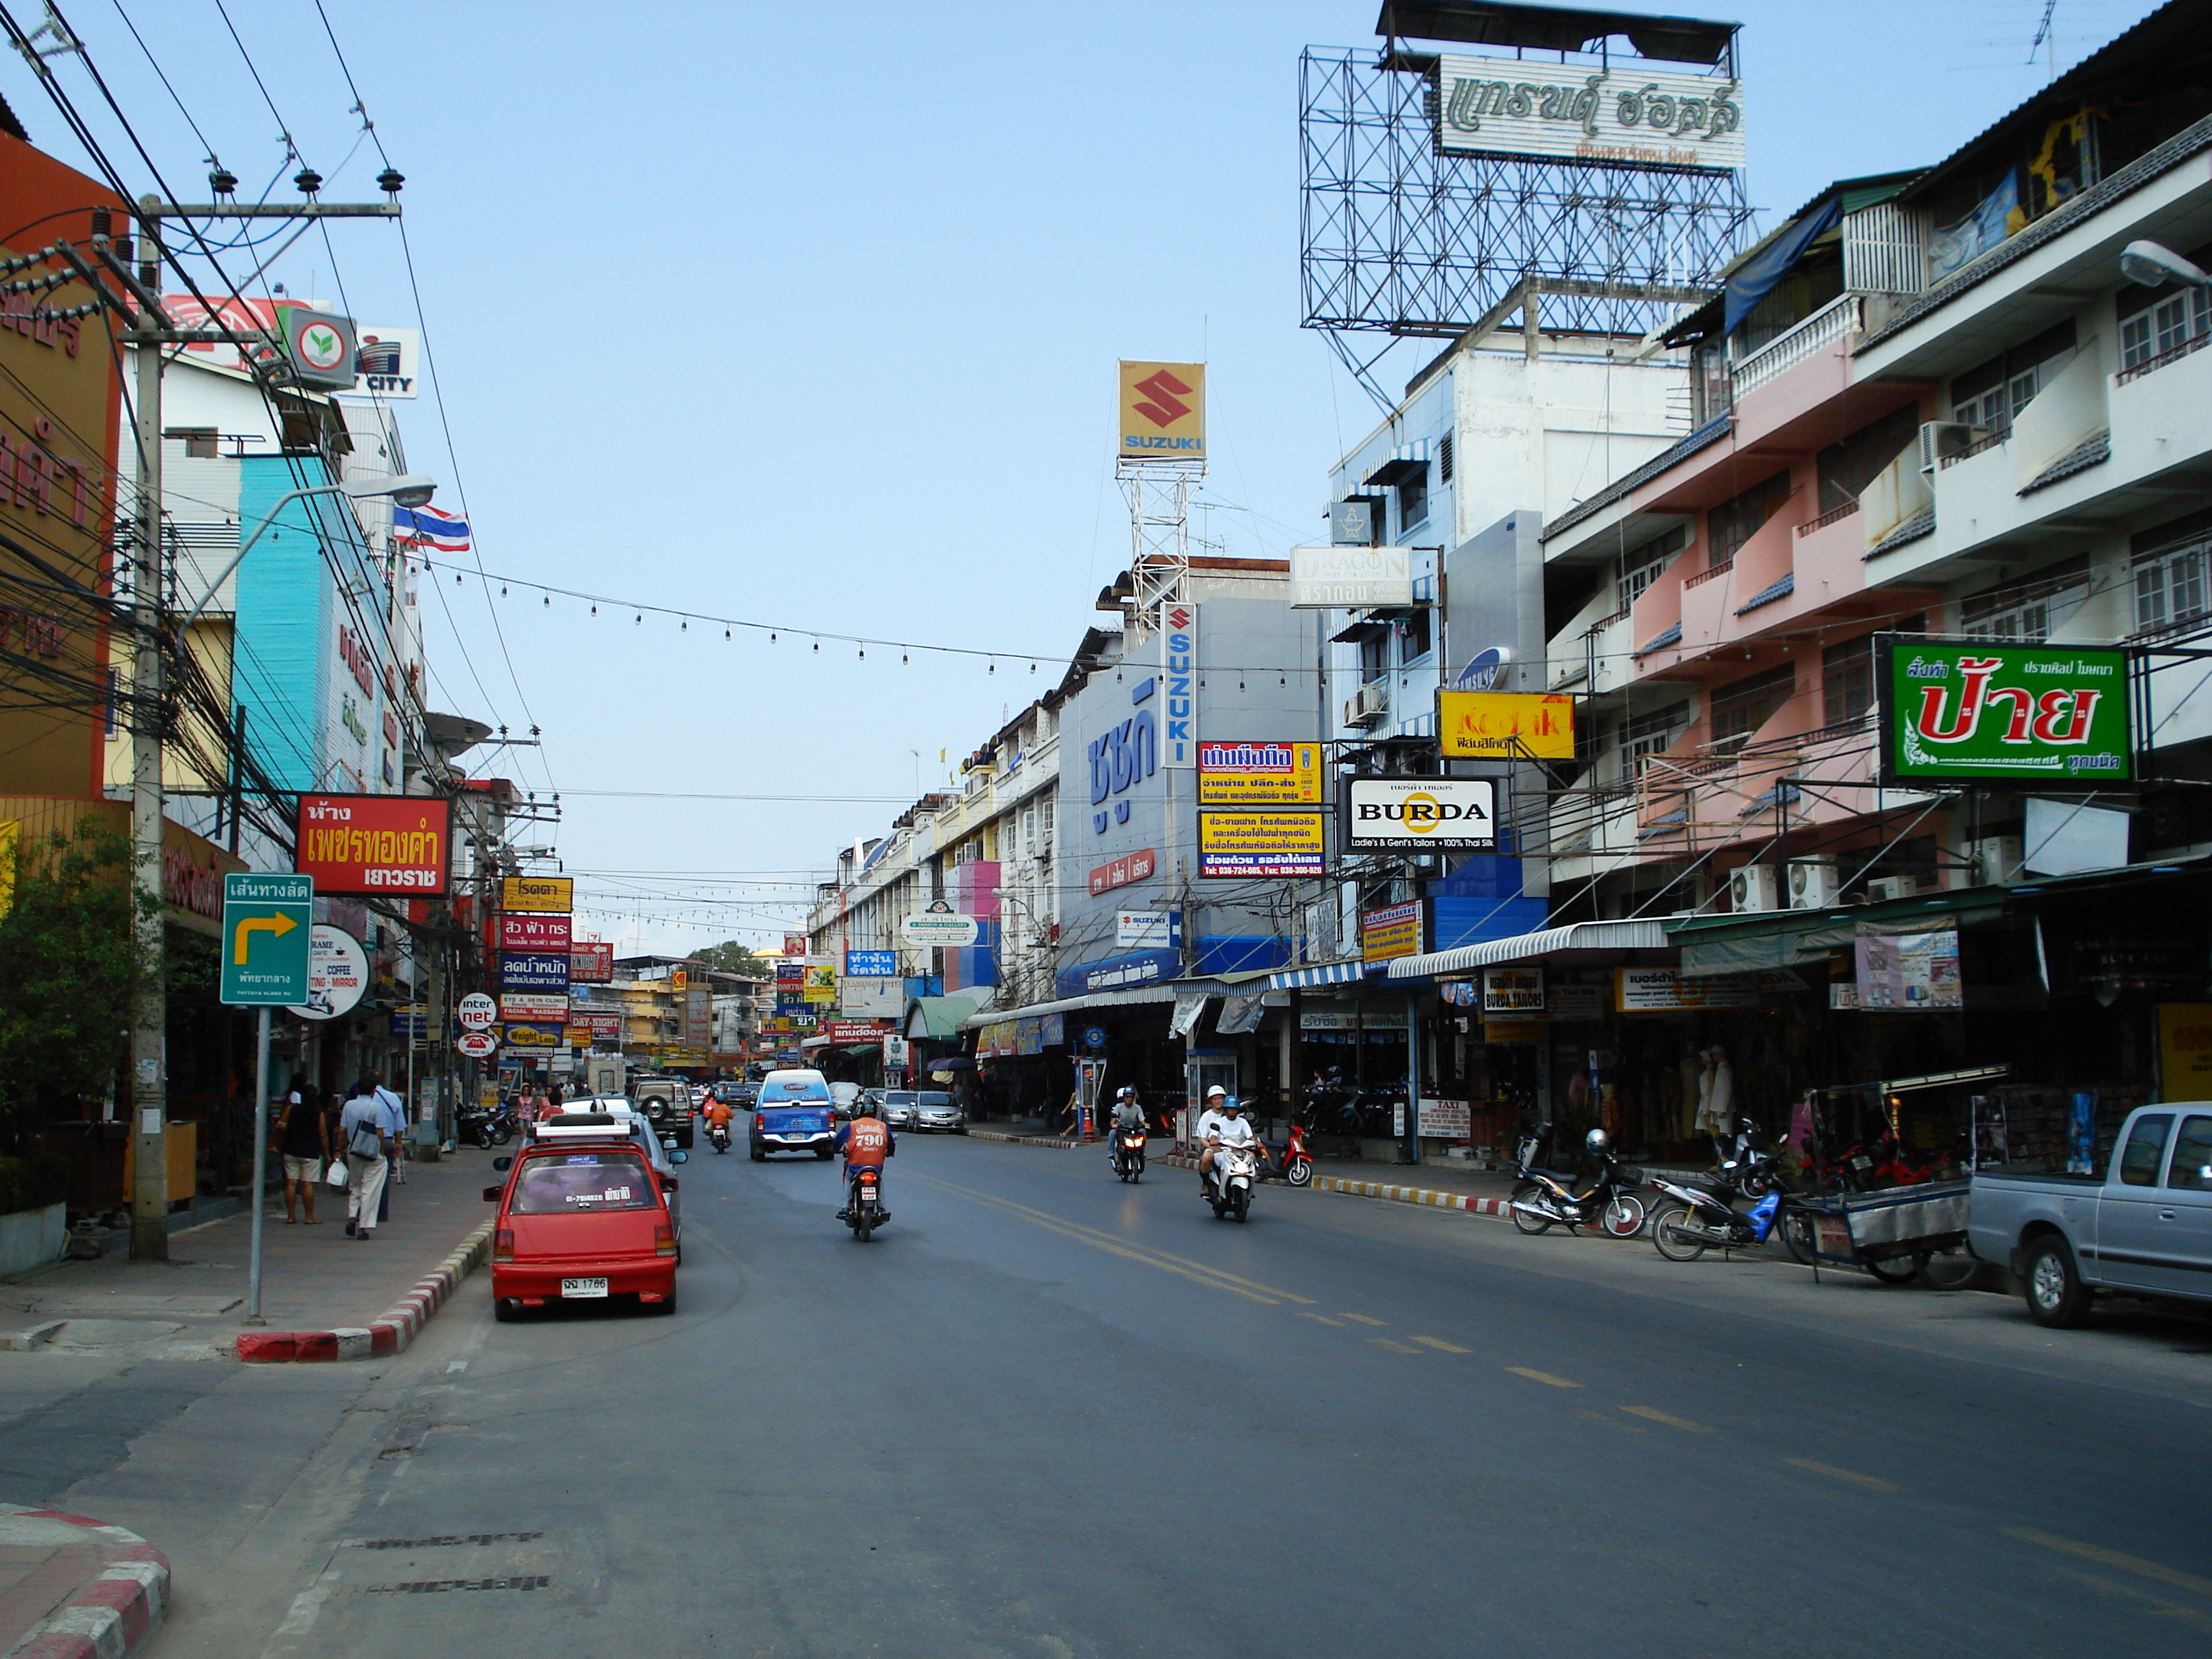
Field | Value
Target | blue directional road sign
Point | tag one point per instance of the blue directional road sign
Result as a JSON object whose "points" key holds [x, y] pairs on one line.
{"points": [[267, 922]]}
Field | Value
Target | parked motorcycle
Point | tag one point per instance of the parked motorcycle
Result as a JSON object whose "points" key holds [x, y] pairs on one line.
{"points": [[863, 1209], [1293, 1163], [1691, 1221], [1541, 1202], [479, 1127], [1129, 1153], [1230, 1183]]}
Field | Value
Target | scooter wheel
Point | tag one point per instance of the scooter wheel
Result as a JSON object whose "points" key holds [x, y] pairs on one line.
{"points": [[1529, 1193], [1300, 1174]]}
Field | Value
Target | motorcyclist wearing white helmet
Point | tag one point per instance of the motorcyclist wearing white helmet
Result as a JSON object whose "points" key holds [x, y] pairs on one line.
{"points": [[1222, 1124]]}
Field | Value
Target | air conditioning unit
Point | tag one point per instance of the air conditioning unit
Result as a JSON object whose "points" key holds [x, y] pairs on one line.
{"points": [[1368, 704], [1882, 889], [1813, 885], [1752, 888], [1997, 858], [1942, 438]]}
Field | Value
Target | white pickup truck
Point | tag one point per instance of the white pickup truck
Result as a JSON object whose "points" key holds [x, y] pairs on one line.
{"points": [[2142, 1228]]}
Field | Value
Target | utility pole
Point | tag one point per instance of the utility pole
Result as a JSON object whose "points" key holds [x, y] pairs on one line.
{"points": [[150, 1193], [149, 1184]]}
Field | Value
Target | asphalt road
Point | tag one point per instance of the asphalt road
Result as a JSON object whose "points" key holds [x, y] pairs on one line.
{"points": [[1044, 1414]]}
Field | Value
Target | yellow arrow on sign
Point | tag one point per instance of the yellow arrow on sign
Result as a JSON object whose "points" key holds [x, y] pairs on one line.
{"points": [[277, 927]]}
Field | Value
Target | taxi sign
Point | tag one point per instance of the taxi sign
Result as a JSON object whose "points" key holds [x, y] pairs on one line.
{"points": [[267, 921]]}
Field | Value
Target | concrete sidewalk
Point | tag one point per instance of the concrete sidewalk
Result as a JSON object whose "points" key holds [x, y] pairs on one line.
{"points": [[74, 1588], [316, 1282]]}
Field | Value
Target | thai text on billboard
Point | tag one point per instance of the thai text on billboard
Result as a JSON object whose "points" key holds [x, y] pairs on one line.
{"points": [[358, 845], [1259, 844], [1505, 725], [1261, 774]]}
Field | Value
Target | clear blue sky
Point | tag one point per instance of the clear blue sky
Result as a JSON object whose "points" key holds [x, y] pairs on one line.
{"points": [[810, 315]]}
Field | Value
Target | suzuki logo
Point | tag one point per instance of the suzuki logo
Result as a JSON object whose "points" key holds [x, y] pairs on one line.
{"points": [[1166, 407], [1178, 618]]}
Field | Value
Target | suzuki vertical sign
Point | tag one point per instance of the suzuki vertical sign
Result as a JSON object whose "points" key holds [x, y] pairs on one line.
{"points": [[2000, 712], [1160, 412], [1179, 666]]}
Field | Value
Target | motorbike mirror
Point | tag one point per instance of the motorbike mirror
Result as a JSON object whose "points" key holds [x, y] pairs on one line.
{"points": [[502, 1163], [680, 1155]]}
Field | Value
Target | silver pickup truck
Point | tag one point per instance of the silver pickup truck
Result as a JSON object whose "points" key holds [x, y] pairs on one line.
{"points": [[2143, 1228]]}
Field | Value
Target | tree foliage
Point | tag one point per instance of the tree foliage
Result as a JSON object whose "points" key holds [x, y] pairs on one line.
{"points": [[69, 968], [733, 957]]}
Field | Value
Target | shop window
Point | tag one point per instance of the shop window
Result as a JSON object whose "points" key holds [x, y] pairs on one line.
{"points": [[1847, 468], [1638, 567], [1740, 708], [1991, 394], [2027, 610], [1736, 520]]}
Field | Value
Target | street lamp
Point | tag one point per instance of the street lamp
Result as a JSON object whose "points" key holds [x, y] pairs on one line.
{"points": [[2153, 264], [407, 489]]}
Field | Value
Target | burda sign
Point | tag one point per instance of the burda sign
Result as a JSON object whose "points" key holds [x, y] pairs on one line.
{"points": [[2000, 712]]}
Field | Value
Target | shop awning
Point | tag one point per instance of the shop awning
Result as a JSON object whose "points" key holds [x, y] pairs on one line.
{"points": [[941, 1017], [1579, 936], [1326, 973], [1779, 939], [1163, 992]]}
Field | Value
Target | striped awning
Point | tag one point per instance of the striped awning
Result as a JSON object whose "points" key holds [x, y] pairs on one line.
{"points": [[1326, 973]]}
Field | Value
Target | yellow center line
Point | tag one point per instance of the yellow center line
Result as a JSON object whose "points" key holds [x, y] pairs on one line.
{"points": [[1194, 1272], [1320, 1319], [1362, 1318], [1395, 1347], [1544, 1378], [2103, 1557], [1835, 1473], [1610, 1422], [1440, 1345], [1672, 1422], [2129, 1592]]}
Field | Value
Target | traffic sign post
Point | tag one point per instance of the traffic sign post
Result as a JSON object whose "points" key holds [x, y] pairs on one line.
{"points": [[267, 921]]}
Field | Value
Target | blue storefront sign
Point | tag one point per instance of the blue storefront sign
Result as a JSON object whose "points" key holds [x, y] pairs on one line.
{"points": [[410, 1022], [871, 964], [533, 970], [1136, 968]]}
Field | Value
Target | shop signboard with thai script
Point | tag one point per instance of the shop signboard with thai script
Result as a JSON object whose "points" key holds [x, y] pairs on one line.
{"points": [[2185, 1050], [1419, 815], [533, 1005], [533, 932], [1670, 991], [1259, 775], [591, 962], [1909, 973], [374, 845], [534, 970], [1513, 991], [871, 964], [1441, 1120], [1356, 578], [553, 894], [1234, 845], [1121, 872], [1571, 113], [1394, 931], [1505, 725], [1998, 712]]}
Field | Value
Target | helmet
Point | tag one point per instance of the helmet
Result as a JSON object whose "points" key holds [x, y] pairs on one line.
{"points": [[1217, 1090], [1124, 1092], [1597, 1140]]}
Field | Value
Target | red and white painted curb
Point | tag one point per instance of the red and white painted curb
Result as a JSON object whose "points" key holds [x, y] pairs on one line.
{"points": [[111, 1615], [391, 1331], [1389, 1191]]}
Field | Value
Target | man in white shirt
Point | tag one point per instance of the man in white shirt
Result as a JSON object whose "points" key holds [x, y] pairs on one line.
{"points": [[1222, 1124], [363, 1133]]}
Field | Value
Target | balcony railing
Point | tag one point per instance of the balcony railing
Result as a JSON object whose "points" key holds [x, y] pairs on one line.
{"points": [[2170, 355], [1974, 448], [1833, 515], [1831, 323], [1703, 576]]}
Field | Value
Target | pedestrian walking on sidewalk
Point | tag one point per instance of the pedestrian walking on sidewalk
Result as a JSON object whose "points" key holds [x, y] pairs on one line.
{"points": [[302, 1143], [395, 1124], [363, 1125]]}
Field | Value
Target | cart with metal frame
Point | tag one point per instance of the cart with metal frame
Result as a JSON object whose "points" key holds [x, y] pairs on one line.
{"points": [[1897, 1234]]}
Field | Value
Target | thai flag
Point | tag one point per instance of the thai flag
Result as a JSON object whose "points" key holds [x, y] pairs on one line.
{"points": [[426, 527]]}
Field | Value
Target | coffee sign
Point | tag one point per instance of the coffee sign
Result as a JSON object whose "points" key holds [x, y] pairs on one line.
{"points": [[1997, 712]]}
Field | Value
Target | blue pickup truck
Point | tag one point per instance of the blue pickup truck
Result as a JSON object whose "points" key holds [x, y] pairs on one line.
{"points": [[794, 1114]]}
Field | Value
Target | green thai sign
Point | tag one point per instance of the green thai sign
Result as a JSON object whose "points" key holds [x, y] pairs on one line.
{"points": [[1997, 712]]}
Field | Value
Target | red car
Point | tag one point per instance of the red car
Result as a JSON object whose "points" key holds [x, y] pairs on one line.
{"points": [[588, 1213]]}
